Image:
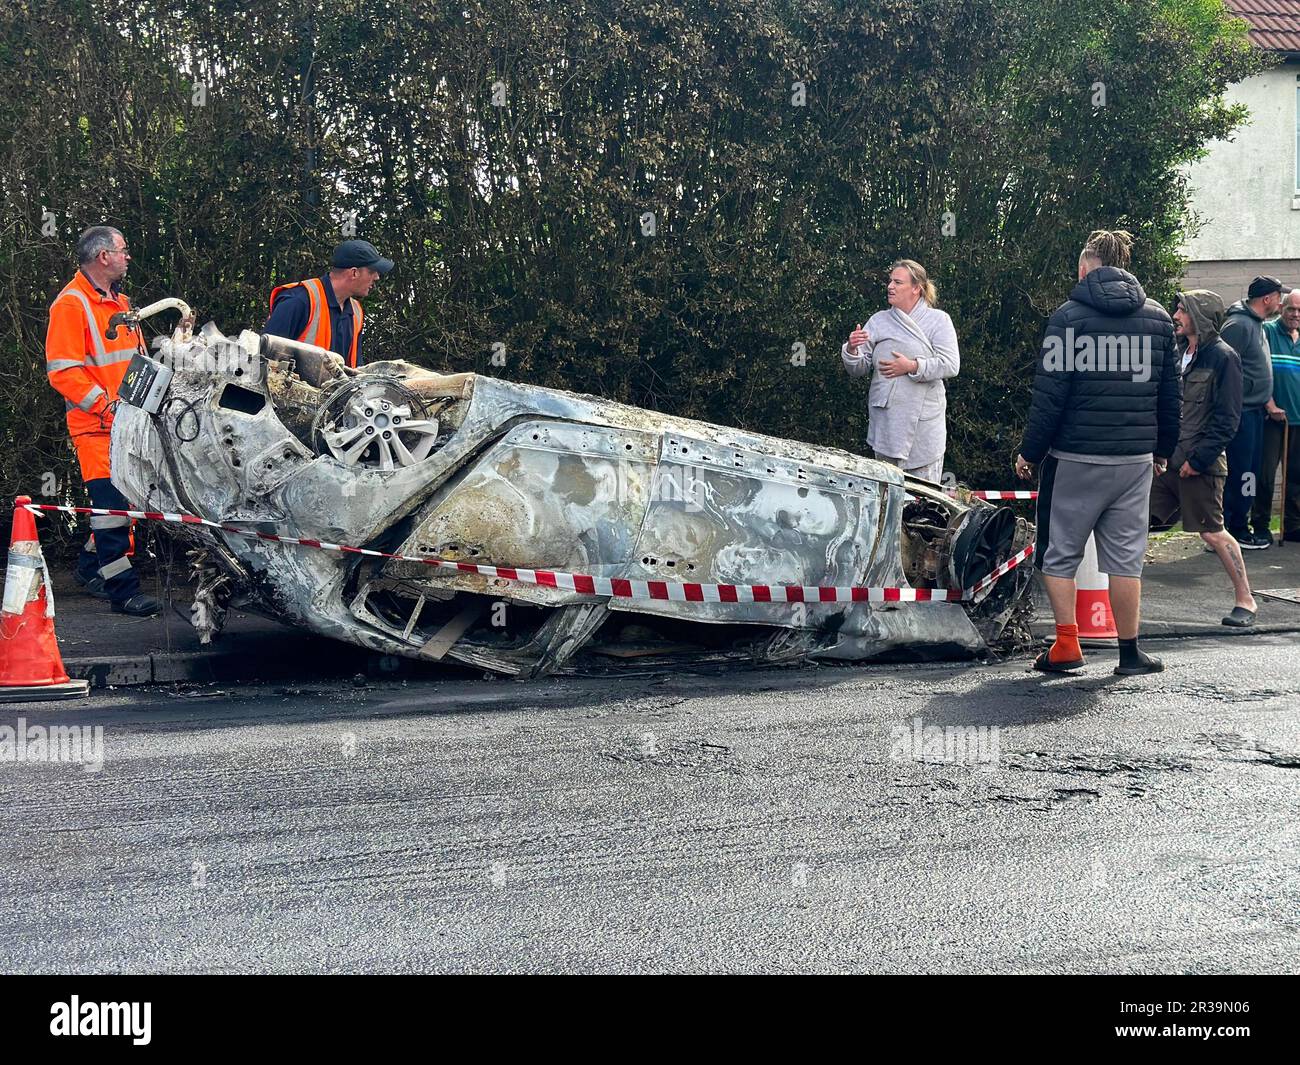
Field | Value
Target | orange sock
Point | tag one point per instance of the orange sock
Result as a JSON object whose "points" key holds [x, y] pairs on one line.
{"points": [[1066, 648]]}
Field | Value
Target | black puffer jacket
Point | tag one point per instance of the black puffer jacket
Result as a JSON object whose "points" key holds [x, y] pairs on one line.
{"points": [[1107, 381]]}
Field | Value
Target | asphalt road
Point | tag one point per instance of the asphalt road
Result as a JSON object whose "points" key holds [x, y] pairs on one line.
{"points": [[775, 820]]}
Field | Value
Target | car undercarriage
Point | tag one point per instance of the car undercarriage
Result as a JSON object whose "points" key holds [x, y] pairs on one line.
{"points": [[272, 435]]}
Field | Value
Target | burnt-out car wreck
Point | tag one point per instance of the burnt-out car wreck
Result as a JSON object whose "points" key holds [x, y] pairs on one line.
{"points": [[275, 436]]}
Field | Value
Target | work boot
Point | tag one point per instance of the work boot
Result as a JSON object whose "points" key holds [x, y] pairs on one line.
{"points": [[138, 606], [93, 585]]}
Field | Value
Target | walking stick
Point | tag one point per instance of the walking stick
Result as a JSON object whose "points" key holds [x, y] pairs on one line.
{"points": [[1286, 448]]}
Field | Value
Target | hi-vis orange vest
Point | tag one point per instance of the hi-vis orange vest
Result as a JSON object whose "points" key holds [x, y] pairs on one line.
{"points": [[87, 368], [318, 322]]}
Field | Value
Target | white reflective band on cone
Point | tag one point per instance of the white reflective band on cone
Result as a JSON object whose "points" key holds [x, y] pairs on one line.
{"points": [[20, 581]]}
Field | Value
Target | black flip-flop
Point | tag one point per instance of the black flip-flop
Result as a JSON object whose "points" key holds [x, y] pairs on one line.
{"points": [[1151, 665], [1044, 664], [1240, 618]]}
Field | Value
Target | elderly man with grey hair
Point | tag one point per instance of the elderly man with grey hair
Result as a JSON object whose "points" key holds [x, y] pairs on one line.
{"points": [[86, 367], [1282, 428]]}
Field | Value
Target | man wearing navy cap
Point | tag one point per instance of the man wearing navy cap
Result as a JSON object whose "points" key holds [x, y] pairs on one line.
{"points": [[326, 310]]}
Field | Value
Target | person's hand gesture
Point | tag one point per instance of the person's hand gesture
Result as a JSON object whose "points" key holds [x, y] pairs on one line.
{"points": [[1024, 469], [857, 339], [1188, 470]]}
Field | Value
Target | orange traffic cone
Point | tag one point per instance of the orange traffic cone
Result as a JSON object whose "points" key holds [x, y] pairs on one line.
{"points": [[30, 664], [1092, 599]]}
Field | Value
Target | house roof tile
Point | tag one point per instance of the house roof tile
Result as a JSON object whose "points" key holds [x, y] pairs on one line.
{"points": [[1274, 24]]}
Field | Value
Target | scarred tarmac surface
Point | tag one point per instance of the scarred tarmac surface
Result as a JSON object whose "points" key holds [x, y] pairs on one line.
{"points": [[770, 820]]}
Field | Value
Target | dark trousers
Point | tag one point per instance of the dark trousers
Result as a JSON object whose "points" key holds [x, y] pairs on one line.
{"points": [[112, 542], [1245, 457], [1274, 435]]}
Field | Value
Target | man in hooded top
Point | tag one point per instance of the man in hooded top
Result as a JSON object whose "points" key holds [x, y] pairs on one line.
{"points": [[1192, 486]]}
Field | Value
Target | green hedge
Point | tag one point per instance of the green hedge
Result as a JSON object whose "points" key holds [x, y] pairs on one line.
{"points": [[788, 152]]}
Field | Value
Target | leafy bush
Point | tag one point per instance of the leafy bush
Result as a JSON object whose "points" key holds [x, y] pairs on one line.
{"points": [[787, 151]]}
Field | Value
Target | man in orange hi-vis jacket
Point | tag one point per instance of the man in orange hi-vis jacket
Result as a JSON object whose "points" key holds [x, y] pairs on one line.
{"points": [[326, 310], [87, 368]]}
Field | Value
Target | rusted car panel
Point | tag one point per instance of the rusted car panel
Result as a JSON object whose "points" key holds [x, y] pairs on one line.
{"points": [[281, 437]]}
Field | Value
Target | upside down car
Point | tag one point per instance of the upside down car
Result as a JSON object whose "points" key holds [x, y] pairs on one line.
{"points": [[271, 435]]}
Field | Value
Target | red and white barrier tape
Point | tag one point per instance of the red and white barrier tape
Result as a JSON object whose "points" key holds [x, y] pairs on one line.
{"points": [[1004, 495], [614, 587]]}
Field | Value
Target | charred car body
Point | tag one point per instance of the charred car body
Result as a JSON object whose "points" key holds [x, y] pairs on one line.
{"points": [[276, 436]]}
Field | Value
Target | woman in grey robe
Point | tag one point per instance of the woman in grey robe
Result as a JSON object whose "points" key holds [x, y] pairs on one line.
{"points": [[910, 349]]}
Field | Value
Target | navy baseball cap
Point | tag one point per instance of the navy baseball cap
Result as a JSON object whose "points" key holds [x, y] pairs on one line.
{"points": [[359, 253], [1263, 286]]}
